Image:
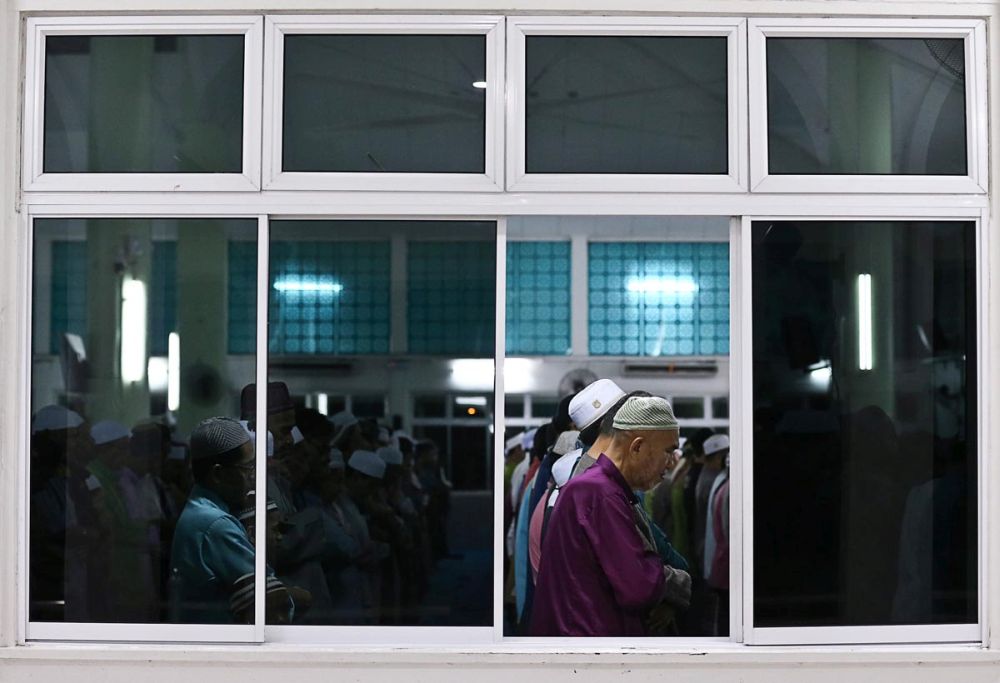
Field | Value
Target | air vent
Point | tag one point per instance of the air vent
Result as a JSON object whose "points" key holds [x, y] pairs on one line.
{"points": [[334, 366], [661, 368]]}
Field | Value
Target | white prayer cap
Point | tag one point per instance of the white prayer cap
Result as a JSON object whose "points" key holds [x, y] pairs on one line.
{"points": [[593, 402], [383, 436], [528, 439], [55, 418], [563, 467], [341, 422], [336, 459], [253, 437], [107, 431], [513, 442], [390, 455], [566, 442], [716, 443], [367, 463]]}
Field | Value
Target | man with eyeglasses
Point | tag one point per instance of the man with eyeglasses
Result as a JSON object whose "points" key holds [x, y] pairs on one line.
{"points": [[211, 550], [600, 572]]}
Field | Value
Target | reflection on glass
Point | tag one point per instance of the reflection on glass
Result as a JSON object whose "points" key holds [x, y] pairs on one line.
{"points": [[143, 104], [659, 298], [866, 106], [382, 509], [626, 104], [864, 423], [538, 297], [129, 356], [680, 520], [384, 103]]}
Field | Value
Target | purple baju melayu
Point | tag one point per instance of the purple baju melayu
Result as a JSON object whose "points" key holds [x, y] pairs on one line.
{"points": [[597, 577]]}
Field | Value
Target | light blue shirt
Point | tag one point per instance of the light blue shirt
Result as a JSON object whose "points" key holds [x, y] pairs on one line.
{"points": [[210, 552]]}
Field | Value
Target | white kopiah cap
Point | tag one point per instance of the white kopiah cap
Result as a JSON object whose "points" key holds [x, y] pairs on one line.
{"points": [[593, 402], [715, 443], [367, 463], [107, 431], [55, 418]]}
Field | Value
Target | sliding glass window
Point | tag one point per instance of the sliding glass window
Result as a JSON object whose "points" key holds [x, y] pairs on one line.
{"points": [[131, 519], [865, 424]]}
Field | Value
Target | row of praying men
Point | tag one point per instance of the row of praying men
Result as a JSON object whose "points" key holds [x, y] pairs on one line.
{"points": [[132, 525], [612, 529]]}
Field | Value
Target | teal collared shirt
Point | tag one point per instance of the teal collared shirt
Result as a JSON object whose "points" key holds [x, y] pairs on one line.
{"points": [[210, 552]]}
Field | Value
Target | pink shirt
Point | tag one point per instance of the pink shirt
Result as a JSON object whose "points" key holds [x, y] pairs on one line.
{"points": [[535, 534]]}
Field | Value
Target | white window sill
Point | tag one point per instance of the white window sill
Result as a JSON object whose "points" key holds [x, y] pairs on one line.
{"points": [[709, 654]]}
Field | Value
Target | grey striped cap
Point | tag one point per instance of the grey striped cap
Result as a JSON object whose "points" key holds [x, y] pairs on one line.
{"points": [[645, 413]]}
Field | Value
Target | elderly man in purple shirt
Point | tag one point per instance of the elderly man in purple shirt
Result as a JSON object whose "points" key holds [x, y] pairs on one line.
{"points": [[599, 575]]}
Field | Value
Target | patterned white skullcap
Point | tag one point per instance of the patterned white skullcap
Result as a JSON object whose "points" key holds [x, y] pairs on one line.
{"points": [[107, 431], [367, 463], [715, 443], [645, 413], [563, 467], [52, 418], [590, 405]]}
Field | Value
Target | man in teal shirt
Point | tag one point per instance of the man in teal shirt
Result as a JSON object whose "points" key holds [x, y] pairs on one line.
{"points": [[211, 550]]}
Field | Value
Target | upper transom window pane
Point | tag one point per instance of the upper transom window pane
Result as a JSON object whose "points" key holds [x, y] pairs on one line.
{"points": [[876, 106], [626, 104], [144, 104], [385, 103]]}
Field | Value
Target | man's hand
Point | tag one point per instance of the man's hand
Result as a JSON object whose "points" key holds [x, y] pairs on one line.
{"points": [[677, 591]]}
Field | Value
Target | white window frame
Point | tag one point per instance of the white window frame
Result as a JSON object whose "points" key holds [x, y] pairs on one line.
{"points": [[34, 177], [743, 460], [490, 204], [732, 28], [973, 32], [125, 632], [278, 26]]}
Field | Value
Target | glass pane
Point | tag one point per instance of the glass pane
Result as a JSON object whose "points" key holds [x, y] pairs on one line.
{"points": [[866, 105], [128, 522], [626, 104], [681, 514], [538, 298], [370, 529], [429, 406], [331, 298], [690, 408], [864, 423], [513, 406], [659, 298], [144, 104], [720, 407], [385, 103]]}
